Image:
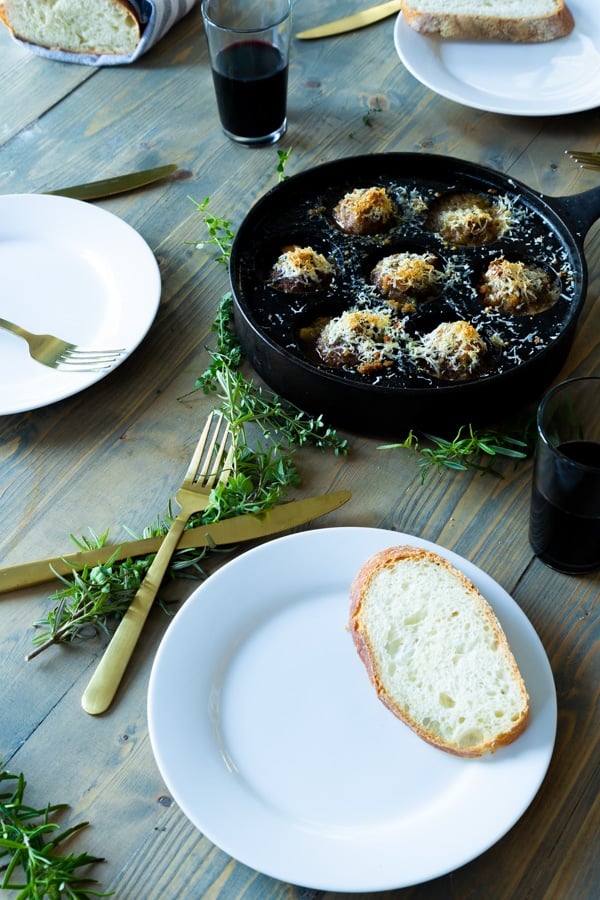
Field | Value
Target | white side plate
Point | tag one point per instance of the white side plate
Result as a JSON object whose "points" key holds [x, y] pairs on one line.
{"points": [[272, 741], [548, 79], [76, 271]]}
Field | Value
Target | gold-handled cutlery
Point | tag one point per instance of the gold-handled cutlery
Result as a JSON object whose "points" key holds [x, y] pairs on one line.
{"points": [[352, 22], [587, 160], [211, 462], [57, 353], [119, 184], [237, 529]]}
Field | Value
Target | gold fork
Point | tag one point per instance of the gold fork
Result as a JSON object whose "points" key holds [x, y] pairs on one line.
{"points": [[211, 463], [587, 160], [58, 354]]}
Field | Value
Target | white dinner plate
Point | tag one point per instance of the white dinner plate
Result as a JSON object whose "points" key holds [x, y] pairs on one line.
{"points": [[76, 271], [546, 79], [272, 741]]}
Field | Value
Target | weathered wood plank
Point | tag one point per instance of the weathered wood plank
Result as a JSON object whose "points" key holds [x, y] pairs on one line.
{"points": [[115, 453]]}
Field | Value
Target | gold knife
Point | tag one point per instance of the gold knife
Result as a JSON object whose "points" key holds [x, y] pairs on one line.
{"points": [[350, 23], [227, 531], [108, 187]]}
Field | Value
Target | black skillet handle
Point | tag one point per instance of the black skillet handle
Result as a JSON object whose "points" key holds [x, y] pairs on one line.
{"points": [[579, 211]]}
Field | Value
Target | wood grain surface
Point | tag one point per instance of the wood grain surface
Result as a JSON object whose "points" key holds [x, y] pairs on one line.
{"points": [[114, 454]]}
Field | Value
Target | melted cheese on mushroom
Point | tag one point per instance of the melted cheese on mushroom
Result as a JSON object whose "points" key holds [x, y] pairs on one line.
{"points": [[404, 278], [453, 350], [360, 339], [301, 269], [364, 211], [471, 219], [514, 287]]}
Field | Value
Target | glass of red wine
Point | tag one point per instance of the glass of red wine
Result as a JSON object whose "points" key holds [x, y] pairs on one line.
{"points": [[249, 45], [564, 525]]}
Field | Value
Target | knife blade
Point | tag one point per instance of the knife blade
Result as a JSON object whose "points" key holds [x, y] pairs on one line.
{"points": [[108, 187], [228, 531], [350, 23]]}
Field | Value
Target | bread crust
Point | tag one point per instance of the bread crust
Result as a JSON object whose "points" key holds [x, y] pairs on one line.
{"points": [[390, 558], [130, 11], [461, 26]]}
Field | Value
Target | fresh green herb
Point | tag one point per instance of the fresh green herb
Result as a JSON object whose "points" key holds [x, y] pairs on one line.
{"points": [[245, 403], [283, 156], [91, 601], [94, 599], [474, 450], [30, 860], [220, 233], [265, 431]]}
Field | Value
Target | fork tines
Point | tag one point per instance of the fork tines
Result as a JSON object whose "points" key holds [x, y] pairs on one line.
{"points": [[88, 360], [207, 463], [586, 159]]}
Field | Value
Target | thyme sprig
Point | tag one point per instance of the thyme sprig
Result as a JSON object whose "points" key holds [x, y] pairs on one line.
{"points": [[220, 233], [471, 450], [31, 860], [283, 157], [243, 402], [265, 431]]}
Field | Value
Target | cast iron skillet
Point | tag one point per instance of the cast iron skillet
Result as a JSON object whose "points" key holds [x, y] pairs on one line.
{"points": [[550, 231]]}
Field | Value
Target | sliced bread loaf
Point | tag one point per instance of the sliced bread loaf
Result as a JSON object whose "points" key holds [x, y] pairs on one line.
{"points": [[76, 26], [436, 653], [519, 21]]}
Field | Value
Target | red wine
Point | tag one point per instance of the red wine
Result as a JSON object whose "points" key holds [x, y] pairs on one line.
{"points": [[566, 541], [251, 84], [584, 452]]}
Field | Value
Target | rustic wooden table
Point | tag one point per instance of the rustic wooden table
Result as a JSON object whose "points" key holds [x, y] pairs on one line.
{"points": [[115, 453]]}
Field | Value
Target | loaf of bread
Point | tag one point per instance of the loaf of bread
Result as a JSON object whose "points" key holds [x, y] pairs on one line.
{"points": [[75, 26], [436, 653], [520, 21]]}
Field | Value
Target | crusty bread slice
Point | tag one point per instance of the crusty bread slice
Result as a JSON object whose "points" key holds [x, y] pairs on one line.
{"points": [[75, 26], [520, 21], [436, 653]]}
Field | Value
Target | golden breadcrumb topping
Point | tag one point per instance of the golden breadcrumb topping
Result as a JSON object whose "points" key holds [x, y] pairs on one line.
{"points": [[301, 268], [453, 350], [518, 288], [471, 219], [362, 339], [364, 211], [404, 278]]}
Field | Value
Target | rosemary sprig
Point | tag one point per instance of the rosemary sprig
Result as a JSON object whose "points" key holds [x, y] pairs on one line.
{"points": [[94, 599], [30, 860], [90, 602], [473, 450]]}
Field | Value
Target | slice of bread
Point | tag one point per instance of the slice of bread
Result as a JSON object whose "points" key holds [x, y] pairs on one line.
{"points": [[75, 26], [520, 21], [436, 653]]}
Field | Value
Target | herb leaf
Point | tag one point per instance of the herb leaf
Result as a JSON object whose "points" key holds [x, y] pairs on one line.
{"points": [[30, 861], [464, 451]]}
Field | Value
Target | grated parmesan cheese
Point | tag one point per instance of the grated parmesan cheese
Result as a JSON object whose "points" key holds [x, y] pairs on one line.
{"points": [[362, 339], [514, 287], [471, 219], [453, 350], [301, 269], [364, 211], [405, 278]]}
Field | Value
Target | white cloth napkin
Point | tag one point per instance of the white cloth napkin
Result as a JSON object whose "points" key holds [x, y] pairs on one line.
{"points": [[156, 16]]}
